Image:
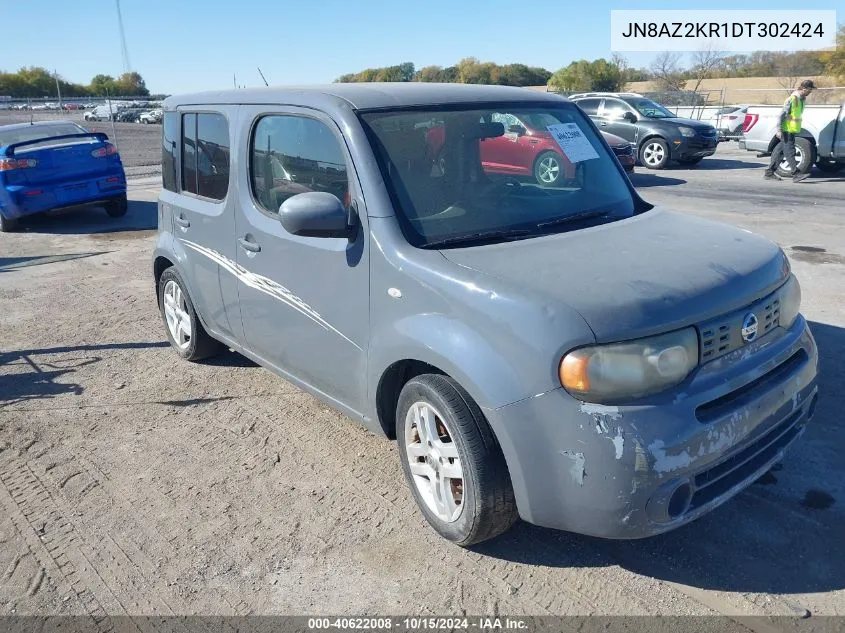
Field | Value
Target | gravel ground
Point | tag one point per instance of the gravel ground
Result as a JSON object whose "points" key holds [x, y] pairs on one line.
{"points": [[134, 483]]}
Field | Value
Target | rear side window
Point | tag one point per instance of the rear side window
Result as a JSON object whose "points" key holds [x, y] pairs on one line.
{"points": [[295, 154], [590, 106], [169, 137], [205, 155]]}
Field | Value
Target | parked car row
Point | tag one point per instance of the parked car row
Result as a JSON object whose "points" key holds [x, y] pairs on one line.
{"points": [[124, 115]]}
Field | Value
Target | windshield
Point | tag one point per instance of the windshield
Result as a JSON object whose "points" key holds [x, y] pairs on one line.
{"points": [[460, 176], [34, 132], [650, 109]]}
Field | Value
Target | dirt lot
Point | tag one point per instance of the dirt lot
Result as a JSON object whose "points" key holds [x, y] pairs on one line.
{"points": [[134, 483]]}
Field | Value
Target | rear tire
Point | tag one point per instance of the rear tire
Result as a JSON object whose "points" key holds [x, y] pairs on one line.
{"points": [[805, 156], [198, 344], [548, 169], [479, 504], [7, 225], [117, 208]]}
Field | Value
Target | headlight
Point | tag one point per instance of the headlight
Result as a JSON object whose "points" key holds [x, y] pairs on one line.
{"points": [[790, 302], [605, 373], [686, 131]]}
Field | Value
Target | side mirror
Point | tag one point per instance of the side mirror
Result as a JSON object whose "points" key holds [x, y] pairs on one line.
{"points": [[316, 214], [517, 129], [630, 117]]}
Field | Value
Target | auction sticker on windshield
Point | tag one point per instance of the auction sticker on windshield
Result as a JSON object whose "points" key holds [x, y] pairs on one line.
{"points": [[573, 142]]}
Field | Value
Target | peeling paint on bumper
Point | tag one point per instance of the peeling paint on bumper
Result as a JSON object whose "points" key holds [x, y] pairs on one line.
{"points": [[624, 472]]}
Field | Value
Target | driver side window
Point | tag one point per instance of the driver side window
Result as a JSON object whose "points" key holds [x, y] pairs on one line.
{"points": [[614, 109]]}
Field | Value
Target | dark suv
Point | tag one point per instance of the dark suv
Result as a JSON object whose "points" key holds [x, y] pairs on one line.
{"points": [[659, 135]]}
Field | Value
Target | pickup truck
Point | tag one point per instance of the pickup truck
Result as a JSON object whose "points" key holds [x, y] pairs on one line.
{"points": [[820, 142]]}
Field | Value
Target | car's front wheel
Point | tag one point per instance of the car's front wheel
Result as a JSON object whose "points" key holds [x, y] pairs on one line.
{"points": [[654, 153], [184, 330], [452, 461]]}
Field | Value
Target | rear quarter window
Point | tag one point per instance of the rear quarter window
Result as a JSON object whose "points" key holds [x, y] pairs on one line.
{"points": [[169, 138]]}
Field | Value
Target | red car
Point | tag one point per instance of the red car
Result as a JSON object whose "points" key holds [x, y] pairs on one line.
{"points": [[528, 149]]}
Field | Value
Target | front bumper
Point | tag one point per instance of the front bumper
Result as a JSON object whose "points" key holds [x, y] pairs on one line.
{"points": [[693, 147], [635, 471], [23, 200]]}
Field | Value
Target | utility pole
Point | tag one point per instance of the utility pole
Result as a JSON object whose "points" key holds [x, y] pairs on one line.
{"points": [[127, 67], [58, 88]]}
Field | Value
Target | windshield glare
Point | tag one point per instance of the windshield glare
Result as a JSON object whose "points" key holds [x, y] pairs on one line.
{"points": [[650, 109], [496, 173]]}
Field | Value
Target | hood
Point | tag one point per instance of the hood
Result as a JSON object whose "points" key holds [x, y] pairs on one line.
{"points": [[644, 275], [696, 125]]}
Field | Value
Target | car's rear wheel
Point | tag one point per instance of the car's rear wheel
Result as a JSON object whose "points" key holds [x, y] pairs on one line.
{"points": [[805, 156], [117, 208], [548, 169], [452, 461], [7, 225], [184, 330], [654, 153]]}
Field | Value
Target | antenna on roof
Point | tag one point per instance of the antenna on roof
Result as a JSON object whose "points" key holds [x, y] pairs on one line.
{"points": [[262, 76]]}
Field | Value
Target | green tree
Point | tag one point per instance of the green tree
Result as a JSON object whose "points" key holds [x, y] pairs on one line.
{"points": [[834, 61], [583, 76]]}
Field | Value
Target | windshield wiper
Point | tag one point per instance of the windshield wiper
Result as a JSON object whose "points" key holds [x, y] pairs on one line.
{"points": [[575, 217], [475, 238]]}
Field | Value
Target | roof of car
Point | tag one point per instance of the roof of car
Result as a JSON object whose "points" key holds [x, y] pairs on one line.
{"points": [[365, 96], [16, 126]]}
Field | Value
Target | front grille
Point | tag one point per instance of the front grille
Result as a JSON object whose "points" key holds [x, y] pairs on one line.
{"points": [[623, 150], [719, 479], [738, 398], [723, 335]]}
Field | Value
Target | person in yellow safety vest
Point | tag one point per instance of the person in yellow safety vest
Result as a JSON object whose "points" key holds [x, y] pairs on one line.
{"points": [[790, 126]]}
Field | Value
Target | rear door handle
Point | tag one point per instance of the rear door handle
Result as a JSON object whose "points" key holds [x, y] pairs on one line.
{"points": [[182, 222], [252, 247]]}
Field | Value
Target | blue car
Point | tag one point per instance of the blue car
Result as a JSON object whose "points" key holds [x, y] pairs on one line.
{"points": [[54, 165]]}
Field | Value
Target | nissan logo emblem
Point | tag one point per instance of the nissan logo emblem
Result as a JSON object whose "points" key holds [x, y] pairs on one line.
{"points": [[749, 327]]}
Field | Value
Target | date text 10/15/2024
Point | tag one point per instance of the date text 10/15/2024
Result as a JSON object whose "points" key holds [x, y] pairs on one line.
{"points": [[418, 623]]}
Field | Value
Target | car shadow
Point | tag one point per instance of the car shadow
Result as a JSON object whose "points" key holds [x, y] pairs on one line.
{"points": [[23, 378], [721, 164], [142, 215], [229, 358], [782, 535], [646, 179]]}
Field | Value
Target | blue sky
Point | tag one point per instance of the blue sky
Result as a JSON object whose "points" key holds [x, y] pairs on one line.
{"points": [[186, 45]]}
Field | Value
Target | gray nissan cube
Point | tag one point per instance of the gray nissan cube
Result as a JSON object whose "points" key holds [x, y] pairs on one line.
{"points": [[558, 351]]}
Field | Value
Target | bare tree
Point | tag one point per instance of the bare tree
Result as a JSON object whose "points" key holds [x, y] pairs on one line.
{"points": [[667, 72], [705, 62], [621, 62]]}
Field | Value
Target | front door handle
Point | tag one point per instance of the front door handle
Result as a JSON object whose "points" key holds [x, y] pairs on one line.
{"points": [[252, 247], [181, 221]]}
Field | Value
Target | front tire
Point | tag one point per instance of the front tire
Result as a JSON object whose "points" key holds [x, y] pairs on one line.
{"points": [[548, 169], [654, 153], [117, 208], [452, 461], [184, 330]]}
